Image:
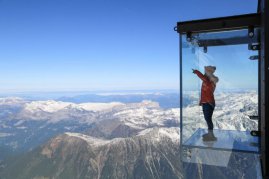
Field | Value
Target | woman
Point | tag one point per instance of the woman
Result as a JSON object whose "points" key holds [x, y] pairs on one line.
{"points": [[207, 100]]}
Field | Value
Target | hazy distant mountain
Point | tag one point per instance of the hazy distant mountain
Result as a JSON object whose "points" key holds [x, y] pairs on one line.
{"points": [[165, 100]]}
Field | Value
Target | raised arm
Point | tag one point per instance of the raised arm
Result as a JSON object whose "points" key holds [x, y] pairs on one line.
{"points": [[200, 75]]}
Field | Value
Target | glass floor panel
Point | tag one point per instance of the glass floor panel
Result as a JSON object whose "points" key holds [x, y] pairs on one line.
{"points": [[230, 140]]}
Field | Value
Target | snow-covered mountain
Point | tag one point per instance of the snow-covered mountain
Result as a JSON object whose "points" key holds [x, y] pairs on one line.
{"points": [[230, 106], [150, 154], [231, 112], [26, 124], [55, 111], [107, 128], [20, 117]]}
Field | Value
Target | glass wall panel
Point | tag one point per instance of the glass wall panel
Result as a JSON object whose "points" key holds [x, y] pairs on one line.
{"points": [[230, 143]]}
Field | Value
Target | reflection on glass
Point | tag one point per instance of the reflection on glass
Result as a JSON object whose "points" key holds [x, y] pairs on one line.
{"points": [[235, 95], [226, 140], [233, 153]]}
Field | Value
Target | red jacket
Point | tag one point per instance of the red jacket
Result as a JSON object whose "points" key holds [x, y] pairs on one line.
{"points": [[207, 90]]}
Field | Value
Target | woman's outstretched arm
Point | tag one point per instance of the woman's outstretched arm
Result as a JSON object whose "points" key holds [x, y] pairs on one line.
{"points": [[199, 74]]}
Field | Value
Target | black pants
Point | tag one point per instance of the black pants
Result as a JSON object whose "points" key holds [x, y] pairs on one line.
{"points": [[208, 112]]}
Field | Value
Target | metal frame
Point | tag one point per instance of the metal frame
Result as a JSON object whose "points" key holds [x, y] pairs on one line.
{"points": [[222, 42], [260, 19], [219, 24], [180, 96], [264, 86]]}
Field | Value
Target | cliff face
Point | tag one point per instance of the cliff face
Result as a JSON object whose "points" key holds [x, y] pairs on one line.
{"points": [[151, 154]]}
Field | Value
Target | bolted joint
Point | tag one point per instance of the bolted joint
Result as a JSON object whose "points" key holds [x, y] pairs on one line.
{"points": [[250, 31], [254, 47]]}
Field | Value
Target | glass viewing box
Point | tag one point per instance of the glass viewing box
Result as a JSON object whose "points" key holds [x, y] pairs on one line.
{"points": [[234, 50]]}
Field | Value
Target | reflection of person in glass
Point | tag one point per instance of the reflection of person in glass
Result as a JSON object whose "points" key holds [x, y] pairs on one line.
{"points": [[207, 100]]}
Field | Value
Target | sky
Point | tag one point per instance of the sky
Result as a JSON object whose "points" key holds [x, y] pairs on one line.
{"points": [[61, 45]]}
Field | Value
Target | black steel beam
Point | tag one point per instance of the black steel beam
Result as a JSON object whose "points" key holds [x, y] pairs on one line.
{"points": [[222, 42], [219, 24], [264, 90]]}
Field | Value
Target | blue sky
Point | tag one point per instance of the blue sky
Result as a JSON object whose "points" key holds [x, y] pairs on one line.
{"points": [[51, 45]]}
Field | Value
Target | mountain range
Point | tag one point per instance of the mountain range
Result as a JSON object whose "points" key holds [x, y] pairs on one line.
{"points": [[57, 139]]}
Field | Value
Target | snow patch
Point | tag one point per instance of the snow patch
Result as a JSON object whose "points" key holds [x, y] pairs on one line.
{"points": [[91, 140]]}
